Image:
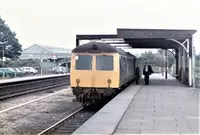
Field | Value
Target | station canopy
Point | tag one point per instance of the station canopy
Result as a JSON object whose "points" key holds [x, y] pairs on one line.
{"points": [[142, 38]]}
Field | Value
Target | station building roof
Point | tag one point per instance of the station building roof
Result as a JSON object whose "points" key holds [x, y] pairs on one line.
{"points": [[50, 49], [37, 51]]}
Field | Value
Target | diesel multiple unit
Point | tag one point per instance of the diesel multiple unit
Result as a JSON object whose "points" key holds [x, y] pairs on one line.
{"points": [[99, 70]]}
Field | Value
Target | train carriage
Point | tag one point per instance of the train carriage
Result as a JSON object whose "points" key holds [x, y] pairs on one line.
{"points": [[99, 70]]}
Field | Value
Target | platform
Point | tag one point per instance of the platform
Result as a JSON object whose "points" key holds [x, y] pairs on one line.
{"points": [[163, 107], [21, 79]]}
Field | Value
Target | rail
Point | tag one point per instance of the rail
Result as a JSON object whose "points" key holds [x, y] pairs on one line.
{"points": [[56, 125], [20, 87], [73, 121]]}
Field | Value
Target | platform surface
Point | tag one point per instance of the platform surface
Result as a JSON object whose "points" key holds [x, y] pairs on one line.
{"points": [[20, 79], [163, 107]]}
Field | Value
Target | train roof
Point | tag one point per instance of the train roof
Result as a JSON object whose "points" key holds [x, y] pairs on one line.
{"points": [[121, 51], [99, 47], [103, 47]]}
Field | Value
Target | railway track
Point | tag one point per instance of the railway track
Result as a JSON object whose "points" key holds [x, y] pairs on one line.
{"points": [[73, 121], [29, 86]]}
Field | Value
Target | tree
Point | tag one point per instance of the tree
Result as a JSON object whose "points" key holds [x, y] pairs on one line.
{"points": [[157, 59], [148, 56], [171, 59], [8, 42], [154, 59], [21, 63]]}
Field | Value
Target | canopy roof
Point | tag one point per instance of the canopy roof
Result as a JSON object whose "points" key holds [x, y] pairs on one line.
{"points": [[143, 38]]}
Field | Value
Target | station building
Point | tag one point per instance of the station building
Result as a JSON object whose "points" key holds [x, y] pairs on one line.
{"points": [[49, 56]]}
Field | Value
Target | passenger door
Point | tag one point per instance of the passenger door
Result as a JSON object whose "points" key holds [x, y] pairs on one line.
{"points": [[105, 69], [81, 69]]}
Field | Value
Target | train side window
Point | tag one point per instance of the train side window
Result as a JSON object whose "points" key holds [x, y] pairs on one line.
{"points": [[83, 62], [104, 62]]}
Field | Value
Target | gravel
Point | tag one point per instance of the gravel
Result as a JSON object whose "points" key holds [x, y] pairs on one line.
{"points": [[37, 116]]}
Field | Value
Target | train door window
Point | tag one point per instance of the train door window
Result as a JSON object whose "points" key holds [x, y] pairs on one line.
{"points": [[123, 63], [120, 63], [83, 62], [104, 62]]}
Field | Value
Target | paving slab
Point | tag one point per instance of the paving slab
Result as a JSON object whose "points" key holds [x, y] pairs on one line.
{"points": [[171, 108]]}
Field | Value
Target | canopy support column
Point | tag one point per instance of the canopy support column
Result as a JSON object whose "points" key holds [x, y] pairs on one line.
{"points": [[166, 64], [193, 64], [190, 61], [177, 63], [188, 50]]}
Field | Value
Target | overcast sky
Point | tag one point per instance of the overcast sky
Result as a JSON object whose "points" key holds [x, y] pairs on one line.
{"points": [[56, 22]]}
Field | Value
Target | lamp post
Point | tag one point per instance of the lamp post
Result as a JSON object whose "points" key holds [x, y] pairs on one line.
{"points": [[54, 57], [3, 53], [5, 47], [163, 62], [3, 57], [41, 62]]}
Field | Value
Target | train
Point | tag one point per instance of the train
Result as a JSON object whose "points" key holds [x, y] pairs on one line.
{"points": [[99, 70]]}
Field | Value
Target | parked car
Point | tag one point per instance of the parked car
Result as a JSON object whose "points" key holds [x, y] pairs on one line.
{"points": [[29, 70], [1, 73], [7, 72], [18, 72], [58, 70]]}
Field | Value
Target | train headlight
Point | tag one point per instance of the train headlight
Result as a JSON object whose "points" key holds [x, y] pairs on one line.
{"points": [[109, 81], [77, 80]]}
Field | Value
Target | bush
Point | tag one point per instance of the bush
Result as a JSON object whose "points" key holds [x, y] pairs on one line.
{"points": [[21, 63]]}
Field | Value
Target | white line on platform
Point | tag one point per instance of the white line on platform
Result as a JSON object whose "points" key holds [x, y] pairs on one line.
{"points": [[33, 100]]}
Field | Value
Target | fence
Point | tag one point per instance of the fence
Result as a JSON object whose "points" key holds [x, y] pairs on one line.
{"points": [[42, 68]]}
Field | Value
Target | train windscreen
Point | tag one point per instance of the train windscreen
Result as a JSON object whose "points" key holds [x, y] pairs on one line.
{"points": [[104, 62], [83, 62]]}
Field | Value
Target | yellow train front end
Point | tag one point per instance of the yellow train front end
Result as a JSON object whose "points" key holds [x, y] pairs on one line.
{"points": [[94, 75], [88, 71]]}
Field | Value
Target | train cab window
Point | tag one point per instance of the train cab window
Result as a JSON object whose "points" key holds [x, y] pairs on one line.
{"points": [[104, 62], [83, 62]]}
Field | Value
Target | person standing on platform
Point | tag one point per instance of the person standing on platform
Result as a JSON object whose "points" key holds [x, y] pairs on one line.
{"points": [[137, 74], [146, 72]]}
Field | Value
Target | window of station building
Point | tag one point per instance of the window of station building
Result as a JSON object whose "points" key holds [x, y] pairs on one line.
{"points": [[83, 62], [104, 62]]}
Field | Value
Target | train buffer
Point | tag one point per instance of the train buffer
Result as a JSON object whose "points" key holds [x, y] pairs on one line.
{"points": [[163, 107]]}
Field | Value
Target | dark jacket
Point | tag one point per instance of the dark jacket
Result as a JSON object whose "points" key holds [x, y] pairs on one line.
{"points": [[137, 71], [150, 71]]}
